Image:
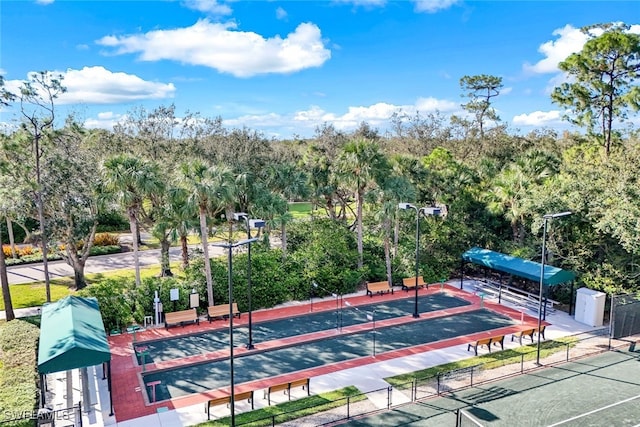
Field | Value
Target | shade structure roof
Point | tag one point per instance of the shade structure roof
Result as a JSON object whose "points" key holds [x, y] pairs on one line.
{"points": [[72, 335], [520, 267]]}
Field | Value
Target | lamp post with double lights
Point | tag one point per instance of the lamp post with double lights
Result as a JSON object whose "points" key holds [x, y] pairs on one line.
{"points": [[546, 218], [230, 246], [250, 223], [426, 211]]}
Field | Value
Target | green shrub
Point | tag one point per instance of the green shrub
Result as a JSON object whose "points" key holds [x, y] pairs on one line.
{"points": [[114, 299], [18, 375]]}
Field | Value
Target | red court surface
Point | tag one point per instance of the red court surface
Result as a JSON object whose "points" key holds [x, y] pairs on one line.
{"points": [[129, 398]]}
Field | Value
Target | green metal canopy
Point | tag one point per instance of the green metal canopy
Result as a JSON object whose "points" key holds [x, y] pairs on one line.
{"points": [[518, 267], [72, 335]]}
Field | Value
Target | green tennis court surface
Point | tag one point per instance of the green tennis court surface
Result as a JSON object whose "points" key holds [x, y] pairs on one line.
{"points": [[201, 377], [602, 390], [214, 340]]}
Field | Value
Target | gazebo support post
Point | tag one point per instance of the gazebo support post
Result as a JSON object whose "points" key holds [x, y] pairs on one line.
{"points": [[109, 387], [571, 299], [43, 389]]}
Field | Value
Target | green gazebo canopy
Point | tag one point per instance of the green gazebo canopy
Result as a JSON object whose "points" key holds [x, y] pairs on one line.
{"points": [[518, 266], [72, 336]]}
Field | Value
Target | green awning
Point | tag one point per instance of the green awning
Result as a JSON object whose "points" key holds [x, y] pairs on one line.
{"points": [[72, 335], [524, 268]]}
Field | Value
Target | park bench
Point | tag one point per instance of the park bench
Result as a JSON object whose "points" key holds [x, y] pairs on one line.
{"points": [[226, 400], [488, 342], [410, 283], [221, 311], [528, 333], [181, 317], [378, 288], [286, 387]]}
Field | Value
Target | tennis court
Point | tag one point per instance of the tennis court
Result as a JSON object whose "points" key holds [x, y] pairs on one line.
{"points": [[218, 339], [602, 390], [201, 377]]}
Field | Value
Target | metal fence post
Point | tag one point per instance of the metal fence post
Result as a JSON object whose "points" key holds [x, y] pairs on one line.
{"points": [[389, 392], [348, 406]]}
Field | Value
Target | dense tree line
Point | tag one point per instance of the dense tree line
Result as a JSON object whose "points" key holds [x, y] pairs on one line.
{"points": [[172, 175]]}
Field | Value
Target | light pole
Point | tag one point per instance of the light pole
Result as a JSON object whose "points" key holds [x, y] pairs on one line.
{"points": [[250, 223], [426, 211], [546, 218], [229, 246]]}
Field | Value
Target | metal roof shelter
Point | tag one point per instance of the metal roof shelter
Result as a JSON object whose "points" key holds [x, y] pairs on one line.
{"points": [[72, 336], [520, 267]]}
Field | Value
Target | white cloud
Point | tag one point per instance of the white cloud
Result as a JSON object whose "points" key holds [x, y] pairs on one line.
{"points": [[208, 6], [538, 118], [376, 115], [222, 47], [105, 120], [570, 40], [281, 14], [431, 105], [432, 6], [44, 2], [97, 85], [363, 3]]}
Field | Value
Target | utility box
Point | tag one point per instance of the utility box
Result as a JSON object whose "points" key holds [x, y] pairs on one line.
{"points": [[590, 307]]}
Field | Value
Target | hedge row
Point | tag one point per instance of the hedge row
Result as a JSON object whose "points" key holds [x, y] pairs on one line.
{"points": [[18, 374]]}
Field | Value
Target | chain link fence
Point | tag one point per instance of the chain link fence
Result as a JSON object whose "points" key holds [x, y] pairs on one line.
{"points": [[363, 404]]}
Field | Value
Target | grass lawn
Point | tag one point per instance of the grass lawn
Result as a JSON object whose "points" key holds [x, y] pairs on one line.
{"points": [[300, 210], [33, 294]]}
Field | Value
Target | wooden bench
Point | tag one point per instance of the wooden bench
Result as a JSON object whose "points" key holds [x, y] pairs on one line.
{"points": [[378, 288], [410, 283], [181, 317], [221, 311], [226, 400], [528, 333], [488, 342], [286, 387]]}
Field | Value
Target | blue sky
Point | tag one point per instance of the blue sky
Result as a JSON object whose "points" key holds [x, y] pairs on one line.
{"points": [[285, 67]]}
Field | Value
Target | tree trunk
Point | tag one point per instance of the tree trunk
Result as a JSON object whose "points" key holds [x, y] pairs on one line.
{"points": [[133, 224], [12, 241], [205, 252], [78, 275], [6, 293], [140, 243], [396, 233], [185, 250], [165, 264], [283, 231], [387, 248], [359, 227], [43, 242]]}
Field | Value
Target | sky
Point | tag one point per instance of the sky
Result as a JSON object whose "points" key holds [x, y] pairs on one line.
{"points": [[286, 67]]}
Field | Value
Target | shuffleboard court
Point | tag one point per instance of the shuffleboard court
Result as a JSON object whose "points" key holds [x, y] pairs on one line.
{"points": [[202, 377], [602, 390], [218, 339]]}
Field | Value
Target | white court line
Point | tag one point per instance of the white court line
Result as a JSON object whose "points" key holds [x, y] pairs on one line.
{"points": [[594, 411]]}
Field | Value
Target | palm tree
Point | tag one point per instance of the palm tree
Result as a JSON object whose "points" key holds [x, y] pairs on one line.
{"points": [[130, 180], [209, 188], [394, 189], [360, 164]]}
